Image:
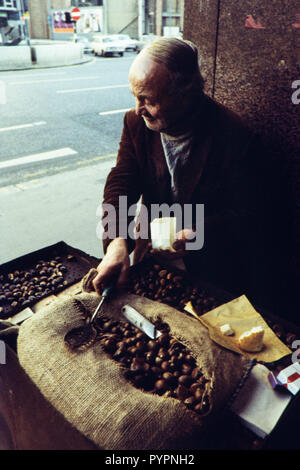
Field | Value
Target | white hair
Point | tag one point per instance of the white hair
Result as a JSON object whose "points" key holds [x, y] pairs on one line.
{"points": [[180, 57]]}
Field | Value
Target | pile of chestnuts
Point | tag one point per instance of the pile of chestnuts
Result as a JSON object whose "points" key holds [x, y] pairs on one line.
{"points": [[21, 288], [163, 366], [163, 285]]}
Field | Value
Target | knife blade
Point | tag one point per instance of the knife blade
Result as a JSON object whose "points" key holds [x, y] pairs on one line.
{"points": [[140, 321], [21, 316]]}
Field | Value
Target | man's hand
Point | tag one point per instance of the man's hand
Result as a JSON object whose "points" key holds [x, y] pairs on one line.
{"points": [[114, 267], [181, 238]]}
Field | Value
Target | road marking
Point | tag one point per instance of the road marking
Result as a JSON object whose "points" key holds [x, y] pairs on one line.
{"points": [[38, 157], [24, 82], [115, 111], [34, 74], [76, 90], [2, 92], [36, 176], [22, 126], [95, 159]]}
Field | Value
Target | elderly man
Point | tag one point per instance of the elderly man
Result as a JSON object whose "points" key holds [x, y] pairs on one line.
{"points": [[180, 146]]}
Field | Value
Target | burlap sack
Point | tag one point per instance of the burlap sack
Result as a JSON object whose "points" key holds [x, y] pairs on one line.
{"points": [[90, 391]]}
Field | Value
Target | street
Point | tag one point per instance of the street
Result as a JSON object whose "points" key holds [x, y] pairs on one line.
{"points": [[59, 135]]}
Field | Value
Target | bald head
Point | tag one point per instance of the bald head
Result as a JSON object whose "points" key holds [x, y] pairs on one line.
{"points": [[162, 91], [144, 68]]}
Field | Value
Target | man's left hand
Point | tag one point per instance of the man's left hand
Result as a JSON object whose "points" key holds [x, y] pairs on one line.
{"points": [[181, 238]]}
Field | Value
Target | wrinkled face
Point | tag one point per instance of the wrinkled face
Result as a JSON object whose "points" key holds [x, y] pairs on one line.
{"points": [[149, 84]]}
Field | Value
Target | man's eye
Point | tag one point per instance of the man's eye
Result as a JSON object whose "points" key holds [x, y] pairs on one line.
{"points": [[149, 102]]}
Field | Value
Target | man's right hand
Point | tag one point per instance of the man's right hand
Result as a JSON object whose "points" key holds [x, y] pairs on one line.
{"points": [[114, 267], [181, 239]]}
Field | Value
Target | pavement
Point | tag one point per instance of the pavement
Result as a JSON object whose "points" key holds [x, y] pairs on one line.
{"points": [[52, 64], [29, 210]]}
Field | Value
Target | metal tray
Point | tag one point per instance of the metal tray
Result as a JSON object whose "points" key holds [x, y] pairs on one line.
{"points": [[76, 269]]}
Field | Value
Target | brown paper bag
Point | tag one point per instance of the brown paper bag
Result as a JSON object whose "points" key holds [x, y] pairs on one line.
{"points": [[242, 316]]}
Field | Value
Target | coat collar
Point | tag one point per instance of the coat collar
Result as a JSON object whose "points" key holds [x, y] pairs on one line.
{"points": [[193, 169]]}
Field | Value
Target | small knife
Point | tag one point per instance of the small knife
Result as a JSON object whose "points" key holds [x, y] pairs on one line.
{"points": [[21, 316], [140, 322], [104, 295]]}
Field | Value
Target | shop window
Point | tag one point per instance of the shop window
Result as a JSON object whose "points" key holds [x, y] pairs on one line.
{"points": [[171, 6]]}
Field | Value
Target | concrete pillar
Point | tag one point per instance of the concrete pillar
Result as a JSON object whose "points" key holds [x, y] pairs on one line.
{"points": [[105, 16], [141, 20], [39, 10], [158, 17], [182, 3]]}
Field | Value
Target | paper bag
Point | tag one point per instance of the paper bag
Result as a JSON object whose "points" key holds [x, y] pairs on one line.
{"points": [[242, 316], [163, 232]]}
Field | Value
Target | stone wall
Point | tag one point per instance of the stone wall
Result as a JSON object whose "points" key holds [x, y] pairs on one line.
{"points": [[250, 58], [15, 57]]}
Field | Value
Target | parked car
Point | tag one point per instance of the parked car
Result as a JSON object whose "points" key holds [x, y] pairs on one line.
{"points": [[130, 44], [84, 41], [106, 45]]}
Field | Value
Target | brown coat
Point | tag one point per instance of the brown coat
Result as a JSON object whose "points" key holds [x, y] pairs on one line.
{"points": [[223, 173]]}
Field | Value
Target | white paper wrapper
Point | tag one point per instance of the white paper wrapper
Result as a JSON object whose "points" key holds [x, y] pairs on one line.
{"points": [[258, 405], [163, 232]]}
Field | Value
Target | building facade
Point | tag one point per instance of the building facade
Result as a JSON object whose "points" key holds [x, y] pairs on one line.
{"points": [[50, 19], [12, 21], [164, 17]]}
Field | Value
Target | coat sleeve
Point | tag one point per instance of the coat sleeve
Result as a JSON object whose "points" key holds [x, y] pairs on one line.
{"points": [[122, 189]]}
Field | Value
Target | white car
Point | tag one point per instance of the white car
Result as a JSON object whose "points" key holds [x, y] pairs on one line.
{"points": [[106, 45], [130, 44]]}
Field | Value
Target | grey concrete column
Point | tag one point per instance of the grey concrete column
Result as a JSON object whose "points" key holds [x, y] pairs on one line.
{"points": [[38, 10], [141, 20], [182, 15], [158, 14], [105, 16]]}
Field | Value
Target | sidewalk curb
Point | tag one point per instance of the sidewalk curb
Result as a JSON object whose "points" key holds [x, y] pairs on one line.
{"points": [[37, 67]]}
